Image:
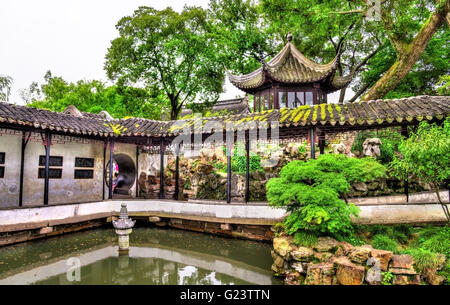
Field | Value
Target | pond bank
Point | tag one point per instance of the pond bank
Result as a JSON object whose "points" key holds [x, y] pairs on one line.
{"points": [[156, 256], [248, 221]]}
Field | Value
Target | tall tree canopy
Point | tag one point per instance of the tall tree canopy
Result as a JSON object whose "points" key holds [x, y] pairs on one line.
{"points": [[5, 87], [241, 34], [94, 96], [175, 53], [367, 41]]}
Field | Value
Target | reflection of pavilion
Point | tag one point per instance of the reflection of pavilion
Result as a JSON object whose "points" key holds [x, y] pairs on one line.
{"points": [[144, 265]]}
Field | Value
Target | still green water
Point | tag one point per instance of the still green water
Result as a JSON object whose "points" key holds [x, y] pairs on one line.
{"points": [[156, 257]]}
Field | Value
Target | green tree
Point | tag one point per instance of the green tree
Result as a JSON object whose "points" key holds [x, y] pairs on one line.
{"points": [[5, 87], [94, 96], [409, 25], [426, 154], [315, 192], [421, 79], [242, 34], [174, 53], [407, 47]]}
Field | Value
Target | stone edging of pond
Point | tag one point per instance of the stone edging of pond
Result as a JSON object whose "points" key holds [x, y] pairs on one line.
{"points": [[330, 262]]}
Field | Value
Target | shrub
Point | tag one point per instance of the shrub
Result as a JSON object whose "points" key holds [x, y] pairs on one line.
{"points": [[426, 155], [445, 272], [239, 160], [384, 242], [313, 191]]}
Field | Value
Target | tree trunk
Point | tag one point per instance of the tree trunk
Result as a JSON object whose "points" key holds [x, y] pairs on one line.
{"points": [[408, 54], [342, 95], [443, 204]]}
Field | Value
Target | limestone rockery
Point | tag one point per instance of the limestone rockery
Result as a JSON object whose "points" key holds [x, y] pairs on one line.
{"points": [[330, 262]]}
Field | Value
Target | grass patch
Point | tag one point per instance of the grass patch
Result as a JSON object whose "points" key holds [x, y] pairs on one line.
{"points": [[438, 242], [305, 239], [425, 259], [384, 242]]}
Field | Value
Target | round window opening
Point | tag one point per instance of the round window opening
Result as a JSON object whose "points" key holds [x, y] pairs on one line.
{"points": [[124, 174]]}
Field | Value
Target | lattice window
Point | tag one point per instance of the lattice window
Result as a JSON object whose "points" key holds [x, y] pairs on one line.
{"points": [[87, 165], [55, 167]]}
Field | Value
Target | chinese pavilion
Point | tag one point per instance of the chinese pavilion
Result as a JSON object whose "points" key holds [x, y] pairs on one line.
{"points": [[290, 80]]}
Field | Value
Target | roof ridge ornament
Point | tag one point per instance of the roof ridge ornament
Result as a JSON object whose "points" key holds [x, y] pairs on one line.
{"points": [[261, 56], [72, 110], [105, 114]]}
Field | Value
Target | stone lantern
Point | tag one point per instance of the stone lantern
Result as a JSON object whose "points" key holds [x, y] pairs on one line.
{"points": [[124, 226]]}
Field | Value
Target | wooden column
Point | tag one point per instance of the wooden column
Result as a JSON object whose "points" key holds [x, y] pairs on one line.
{"points": [[312, 135], [247, 170], [22, 165], [48, 139], [228, 178], [322, 143], [111, 167], [161, 170], [104, 168], [404, 132], [137, 171], [177, 172]]}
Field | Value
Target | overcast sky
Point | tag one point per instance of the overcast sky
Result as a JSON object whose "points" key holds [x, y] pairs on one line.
{"points": [[68, 37]]}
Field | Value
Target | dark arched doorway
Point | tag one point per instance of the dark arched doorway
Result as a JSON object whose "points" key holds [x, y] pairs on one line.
{"points": [[124, 174]]}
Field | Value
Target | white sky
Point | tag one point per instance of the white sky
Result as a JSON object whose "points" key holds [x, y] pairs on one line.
{"points": [[68, 37]]}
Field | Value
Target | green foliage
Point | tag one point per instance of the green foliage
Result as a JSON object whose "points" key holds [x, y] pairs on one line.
{"points": [[304, 238], [312, 192], [239, 160], [93, 96], [438, 242], [302, 149], [444, 85], [401, 233], [445, 272], [175, 53], [319, 30], [422, 79], [389, 144], [384, 242], [241, 34], [388, 277], [424, 259], [426, 155]]}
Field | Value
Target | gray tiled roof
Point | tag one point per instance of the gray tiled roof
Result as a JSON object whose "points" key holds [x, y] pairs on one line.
{"points": [[290, 66], [387, 112]]}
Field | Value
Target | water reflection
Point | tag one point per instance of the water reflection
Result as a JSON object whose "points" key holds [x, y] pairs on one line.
{"points": [[156, 257]]}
